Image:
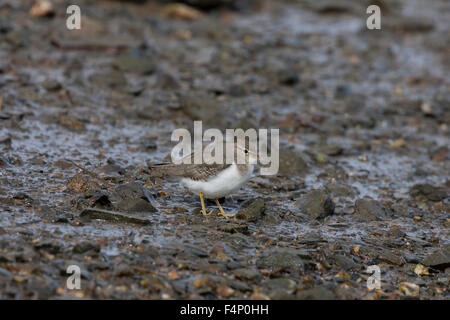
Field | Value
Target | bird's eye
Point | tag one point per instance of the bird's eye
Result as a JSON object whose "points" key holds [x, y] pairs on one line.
{"points": [[246, 151]]}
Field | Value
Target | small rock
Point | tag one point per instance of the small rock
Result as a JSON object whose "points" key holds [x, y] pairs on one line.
{"points": [[408, 24], [138, 64], [439, 259], [113, 216], [202, 106], [428, 191], [282, 258], [409, 289], [331, 150], [49, 247], [291, 163], [113, 79], [5, 273], [181, 11], [135, 206], [42, 8], [341, 189], [369, 210], [3, 162], [288, 76], [253, 212], [342, 91], [317, 293], [280, 284], [344, 262], [250, 274], [7, 141], [132, 190], [220, 251], [51, 85], [233, 227], [85, 247], [82, 183], [317, 204]]}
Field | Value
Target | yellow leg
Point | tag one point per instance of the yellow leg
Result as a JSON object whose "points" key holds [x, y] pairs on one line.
{"points": [[222, 213], [203, 204]]}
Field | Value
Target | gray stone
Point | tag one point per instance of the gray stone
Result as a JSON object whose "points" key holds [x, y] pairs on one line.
{"points": [[135, 206], [439, 259], [291, 163], [282, 258], [253, 212], [428, 191], [369, 210], [317, 204], [317, 293], [94, 213]]}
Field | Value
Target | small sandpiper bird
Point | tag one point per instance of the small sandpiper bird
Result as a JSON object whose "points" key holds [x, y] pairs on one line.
{"points": [[211, 181]]}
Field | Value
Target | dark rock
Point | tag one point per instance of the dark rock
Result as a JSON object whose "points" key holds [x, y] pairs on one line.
{"points": [[395, 233], [408, 24], [342, 91], [100, 200], [132, 190], [5, 273], [113, 79], [202, 106], [52, 85], [291, 163], [280, 284], [233, 227], [209, 4], [49, 247], [17, 38], [333, 171], [85, 247], [240, 285], [135, 206], [440, 153], [369, 210], [131, 63], [439, 259], [401, 210], [428, 191], [344, 262], [383, 255], [288, 76], [341, 190], [331, 150], [82, 183], [317, 293], [168, 80], [281, 258], [3, 162], [7, 141], [247, 274], [391, 257], [220, 251], [253, 212], [113, 216], [316, 204]]}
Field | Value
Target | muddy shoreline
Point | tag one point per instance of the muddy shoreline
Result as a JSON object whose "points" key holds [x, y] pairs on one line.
{"points": [[364, 163]]}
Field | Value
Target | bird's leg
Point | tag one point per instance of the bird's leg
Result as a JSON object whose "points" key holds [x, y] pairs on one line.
{"points": [[222, 213], [203, 204]]}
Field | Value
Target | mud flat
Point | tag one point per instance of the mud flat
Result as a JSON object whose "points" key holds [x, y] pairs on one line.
{"points": [[364, 164]]}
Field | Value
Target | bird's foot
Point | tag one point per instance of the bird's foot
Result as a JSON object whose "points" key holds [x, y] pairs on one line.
{"points": [[227, 215], [223, 213]]}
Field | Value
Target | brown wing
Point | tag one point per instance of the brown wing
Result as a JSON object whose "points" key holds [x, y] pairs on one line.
{"points": [[193, 171]]}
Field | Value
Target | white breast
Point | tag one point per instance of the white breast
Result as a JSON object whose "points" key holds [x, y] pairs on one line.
{"points": [[225, 183]]}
